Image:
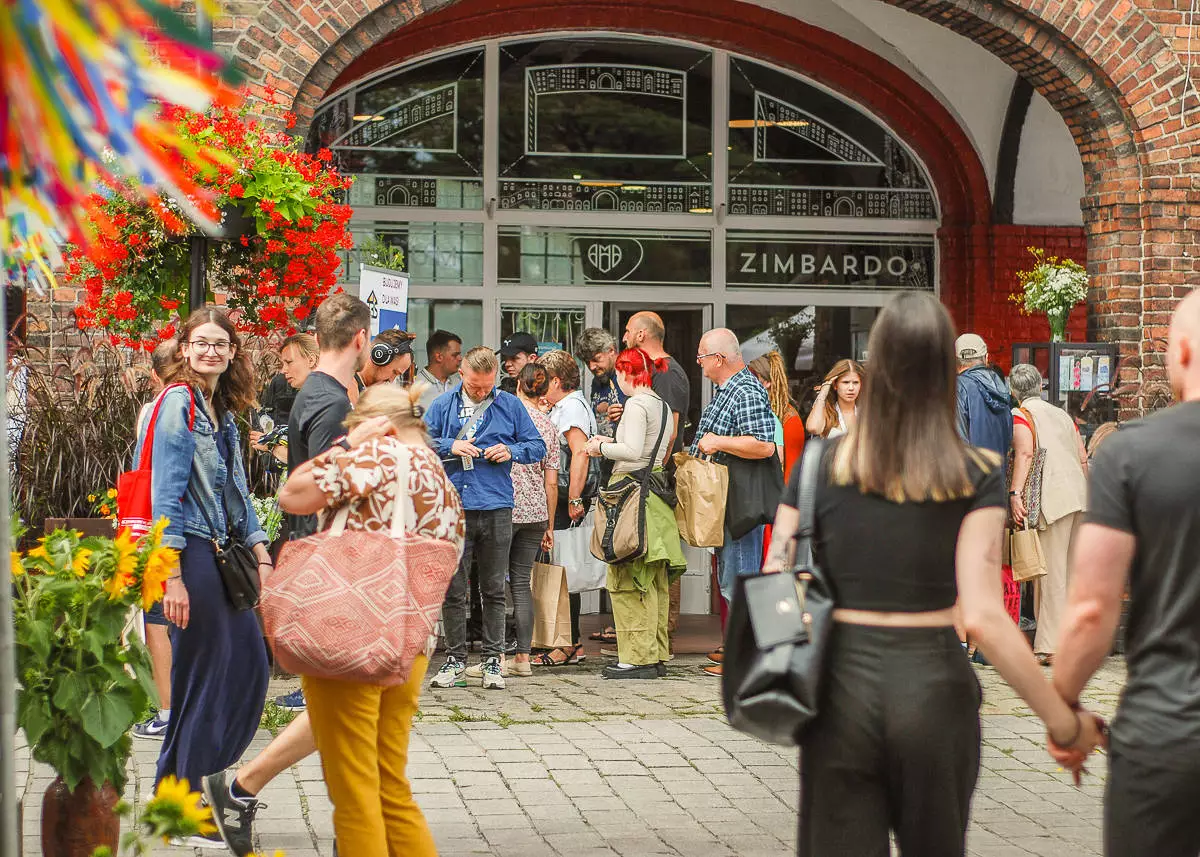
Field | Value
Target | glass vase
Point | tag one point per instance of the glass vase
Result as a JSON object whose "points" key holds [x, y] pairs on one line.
{"points": [[1058, 326]]}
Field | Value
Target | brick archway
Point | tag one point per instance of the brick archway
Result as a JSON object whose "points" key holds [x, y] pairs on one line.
{"points": [[1110, 74]]}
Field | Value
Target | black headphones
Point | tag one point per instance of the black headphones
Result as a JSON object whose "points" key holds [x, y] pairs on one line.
{"points": [[382, 354]]}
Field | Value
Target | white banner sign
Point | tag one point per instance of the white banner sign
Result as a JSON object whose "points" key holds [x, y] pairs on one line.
{"points": [[386, 293]]}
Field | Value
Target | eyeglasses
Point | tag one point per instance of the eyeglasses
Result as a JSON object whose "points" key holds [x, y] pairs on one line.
{"points": [[202, 346], [701, 357]]}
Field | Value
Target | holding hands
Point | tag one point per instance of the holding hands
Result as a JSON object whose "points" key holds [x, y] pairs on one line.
{"points": [[1071, 750]]}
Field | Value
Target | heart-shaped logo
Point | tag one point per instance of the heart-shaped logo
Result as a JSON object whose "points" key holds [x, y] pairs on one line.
{"points": [[609, 260]]}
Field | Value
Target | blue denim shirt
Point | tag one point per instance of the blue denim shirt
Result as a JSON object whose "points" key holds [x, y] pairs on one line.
{"points": [[486, 485], [186, 459]]}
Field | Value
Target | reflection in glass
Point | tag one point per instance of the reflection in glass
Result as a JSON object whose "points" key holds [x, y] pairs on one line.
{"points": [[464, 318], [580, 257], [414, 137], [605, 124], [810, 340], [552, 327], [796, 150], [434, 253]]}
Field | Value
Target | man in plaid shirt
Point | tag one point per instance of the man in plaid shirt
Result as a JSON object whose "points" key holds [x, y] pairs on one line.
{"points": [[738, 422]]}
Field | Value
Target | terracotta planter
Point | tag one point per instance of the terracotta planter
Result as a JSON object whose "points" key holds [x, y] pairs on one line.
{"points": [[74, 824]]}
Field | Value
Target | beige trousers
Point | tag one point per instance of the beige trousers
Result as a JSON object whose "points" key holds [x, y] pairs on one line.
{"points": [[1050, 590]]}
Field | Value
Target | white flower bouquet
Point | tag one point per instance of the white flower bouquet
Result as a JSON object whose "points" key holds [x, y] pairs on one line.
{"points": [[1052, 286], [270, 516]]}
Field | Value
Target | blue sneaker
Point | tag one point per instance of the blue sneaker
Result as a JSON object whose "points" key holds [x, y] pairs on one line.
{"points": [[293, 701], [152, 728]]}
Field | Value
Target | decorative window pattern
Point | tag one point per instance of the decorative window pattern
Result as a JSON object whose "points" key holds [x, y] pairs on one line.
{"points": [[796, 150], [605, 124], [434, 253], [585, 257], [413, 138]]}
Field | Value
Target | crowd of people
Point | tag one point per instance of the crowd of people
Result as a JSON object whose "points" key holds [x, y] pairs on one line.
{"points": [[507, 455]]}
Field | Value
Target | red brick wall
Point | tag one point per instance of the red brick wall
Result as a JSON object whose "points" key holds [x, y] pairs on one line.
{"points": [[996, 318]]}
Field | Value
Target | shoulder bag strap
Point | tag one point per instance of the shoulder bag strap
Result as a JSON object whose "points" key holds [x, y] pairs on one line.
{"points": [[480, 409], [1032, 426], [662, 432], [806, 500], [148, 443]]}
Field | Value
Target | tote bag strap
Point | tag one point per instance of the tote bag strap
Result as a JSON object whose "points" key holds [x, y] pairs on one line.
{"points": [[1032, 426], [806, 501], [401, 512], [148, 443]]}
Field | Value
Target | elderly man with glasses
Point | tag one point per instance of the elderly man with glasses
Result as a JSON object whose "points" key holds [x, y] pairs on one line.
{"points": [[737, 423]]}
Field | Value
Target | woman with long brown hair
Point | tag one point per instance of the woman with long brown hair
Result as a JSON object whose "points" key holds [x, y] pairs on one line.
{"points": [[219, 674], [896, 744], [834, 415], [769, 369]]}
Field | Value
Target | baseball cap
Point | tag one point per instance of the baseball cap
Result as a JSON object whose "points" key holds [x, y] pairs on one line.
{"points": [[970, 346], [515, 344]]}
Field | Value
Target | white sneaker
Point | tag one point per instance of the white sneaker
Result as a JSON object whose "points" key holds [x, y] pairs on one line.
{"points": [[493, 674], [451, 674]]}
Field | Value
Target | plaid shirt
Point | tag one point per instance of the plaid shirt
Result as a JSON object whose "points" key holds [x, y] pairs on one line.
{"points": [[739, 408]]}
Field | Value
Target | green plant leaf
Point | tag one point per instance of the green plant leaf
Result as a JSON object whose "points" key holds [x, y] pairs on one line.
{"points": [[70, 692], [106, 717], [33, 715], [37, 636]]}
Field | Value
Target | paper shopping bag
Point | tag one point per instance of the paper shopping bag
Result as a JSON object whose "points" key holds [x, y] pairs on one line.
{"points": [[702, 486], [1028, 559], [551, 606]]}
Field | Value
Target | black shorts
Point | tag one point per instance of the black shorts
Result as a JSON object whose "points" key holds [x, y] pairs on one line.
{"points": [[1150, 807], [154, 616]]}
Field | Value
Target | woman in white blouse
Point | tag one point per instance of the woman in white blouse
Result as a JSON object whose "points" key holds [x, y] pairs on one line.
{"points": [[639, 588]]}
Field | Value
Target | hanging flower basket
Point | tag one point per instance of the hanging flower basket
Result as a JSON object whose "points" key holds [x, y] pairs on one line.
{"points": [[283, 223], [1052, 286]]}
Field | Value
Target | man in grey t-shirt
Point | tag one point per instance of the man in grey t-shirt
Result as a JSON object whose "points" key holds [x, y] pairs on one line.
{"points": [[1142, 530]]}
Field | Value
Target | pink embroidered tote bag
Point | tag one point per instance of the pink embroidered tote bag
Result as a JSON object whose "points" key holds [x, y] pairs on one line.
{"points": [[358, 606]]}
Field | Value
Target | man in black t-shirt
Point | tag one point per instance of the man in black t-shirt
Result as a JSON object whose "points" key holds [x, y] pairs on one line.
{"points": [[645, 330], [1142, 530]]}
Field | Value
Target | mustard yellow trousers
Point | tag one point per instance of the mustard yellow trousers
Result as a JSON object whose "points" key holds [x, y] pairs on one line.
{"points": [[362, 733]]}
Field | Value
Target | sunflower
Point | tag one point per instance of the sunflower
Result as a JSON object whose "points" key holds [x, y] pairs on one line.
{"points": [[17, 568], [175, 800], [116, 585], [83, 559], [159, 565], [127, 553], [155, 535], [39, 552]]}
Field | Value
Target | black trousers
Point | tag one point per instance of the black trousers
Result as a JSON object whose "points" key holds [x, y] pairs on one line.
{"points": [[895, 747], [1150, 806]]}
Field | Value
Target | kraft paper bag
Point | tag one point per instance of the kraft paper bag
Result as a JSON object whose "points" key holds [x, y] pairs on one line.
{"points": [[551, 606], [1028, 559], [702, 486]]}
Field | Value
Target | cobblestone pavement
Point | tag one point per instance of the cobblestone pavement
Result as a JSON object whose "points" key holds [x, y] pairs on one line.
{"points": [[568, 763]]}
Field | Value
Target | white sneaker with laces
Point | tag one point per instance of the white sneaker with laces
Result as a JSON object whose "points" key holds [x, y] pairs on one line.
{"points": [[493, 674], [450, 674]]}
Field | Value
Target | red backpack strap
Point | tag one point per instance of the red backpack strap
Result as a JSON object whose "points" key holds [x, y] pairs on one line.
{"points": [[148, 444]]}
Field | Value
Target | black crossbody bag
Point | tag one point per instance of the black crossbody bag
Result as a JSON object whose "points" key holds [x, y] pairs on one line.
{"points": [[778, 634], [236, 563]]}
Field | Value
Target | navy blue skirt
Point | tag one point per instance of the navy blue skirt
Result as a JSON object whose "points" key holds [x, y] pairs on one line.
{"points": [[219, 675]]}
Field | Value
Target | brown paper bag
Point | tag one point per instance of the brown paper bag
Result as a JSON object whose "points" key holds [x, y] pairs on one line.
{"points": [[1028, 559], [701, 486], [551, 606]]}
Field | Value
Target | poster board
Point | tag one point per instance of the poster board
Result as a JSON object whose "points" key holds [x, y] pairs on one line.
{"points": [[385, 292]]}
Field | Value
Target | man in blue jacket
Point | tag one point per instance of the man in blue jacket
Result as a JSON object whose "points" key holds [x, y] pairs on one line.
{"points": [[479, 430], [984, 407]]}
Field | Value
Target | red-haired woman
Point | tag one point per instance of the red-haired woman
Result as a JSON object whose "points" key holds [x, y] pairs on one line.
{"points": [[639, 588]]}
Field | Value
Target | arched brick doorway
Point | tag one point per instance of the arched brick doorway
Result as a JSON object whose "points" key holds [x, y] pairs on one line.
{"points": [[1108, 72]]}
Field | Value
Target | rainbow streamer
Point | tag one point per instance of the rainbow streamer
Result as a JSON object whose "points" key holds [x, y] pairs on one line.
{"points": [[81, 82]]}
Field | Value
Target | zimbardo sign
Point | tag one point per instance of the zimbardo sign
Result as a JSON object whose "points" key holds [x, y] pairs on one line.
{"points": [[807, 262]]}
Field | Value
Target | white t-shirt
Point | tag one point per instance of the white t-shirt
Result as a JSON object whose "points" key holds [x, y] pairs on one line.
{"points": [[573, 411]]}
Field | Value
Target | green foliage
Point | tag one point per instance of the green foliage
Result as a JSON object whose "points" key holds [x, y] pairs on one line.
{"points": [[378, 252], [81, 685], [275, 718], [89, 405], [1052, 286]]}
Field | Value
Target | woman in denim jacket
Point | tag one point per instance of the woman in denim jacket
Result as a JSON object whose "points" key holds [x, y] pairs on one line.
{"points": [[220, 674]]}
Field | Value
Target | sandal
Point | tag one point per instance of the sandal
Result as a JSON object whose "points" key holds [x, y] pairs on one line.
{"points": [[577, 655], [1045, 660], [546, 659], [608, 635]]}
